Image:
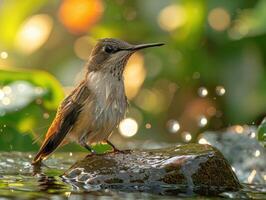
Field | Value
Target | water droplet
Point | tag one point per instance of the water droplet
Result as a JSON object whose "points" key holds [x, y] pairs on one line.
{"points": [[173, 126], [203, 92], [220, 91]]}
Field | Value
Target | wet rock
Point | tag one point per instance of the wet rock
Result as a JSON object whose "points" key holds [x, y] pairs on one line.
{"points": [[188, 169], [242, 150]]}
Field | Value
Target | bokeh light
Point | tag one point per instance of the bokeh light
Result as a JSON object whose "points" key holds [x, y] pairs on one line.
{"points": [[150, 100], [83, 46], [252, 134], [148, 126], [33, 33], [78, 16], [134, 75], [242, 26], [6, 101], [4, 55], [46, 115], [17, 95], [238, 129], [219, 19], [173, 126], [220, 90], [202, 121], [203, 92], [172, 17], [257, 153], [187, 136], [128, 127]]}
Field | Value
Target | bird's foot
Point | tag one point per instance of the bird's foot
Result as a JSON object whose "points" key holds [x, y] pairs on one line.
{"points": [[90, 149], [116, 150]]}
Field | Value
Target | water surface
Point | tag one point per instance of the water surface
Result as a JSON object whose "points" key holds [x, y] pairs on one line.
{"points": [[17, 181]]}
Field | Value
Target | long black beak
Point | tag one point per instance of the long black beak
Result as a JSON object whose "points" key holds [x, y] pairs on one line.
{"points": [[143, 46]]}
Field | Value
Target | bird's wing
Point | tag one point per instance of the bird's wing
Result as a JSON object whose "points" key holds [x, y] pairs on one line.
{"points": [[64, 121]]}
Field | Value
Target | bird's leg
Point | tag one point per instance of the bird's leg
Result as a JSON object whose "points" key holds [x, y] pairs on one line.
{"points": [[113, 146], [83, 143], [88, 148]]}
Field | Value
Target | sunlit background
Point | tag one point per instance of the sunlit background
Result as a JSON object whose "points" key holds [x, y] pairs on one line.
{"points": [[210, 75]]}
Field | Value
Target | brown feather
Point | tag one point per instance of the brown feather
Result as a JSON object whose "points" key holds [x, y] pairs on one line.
{"points": [[64, 121]]}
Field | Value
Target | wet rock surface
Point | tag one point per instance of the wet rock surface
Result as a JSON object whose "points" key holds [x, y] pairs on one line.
{"points": [[188, 169], [242, 150]]}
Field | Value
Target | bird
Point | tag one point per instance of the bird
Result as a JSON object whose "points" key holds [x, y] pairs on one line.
{"points": [[91, 112]]}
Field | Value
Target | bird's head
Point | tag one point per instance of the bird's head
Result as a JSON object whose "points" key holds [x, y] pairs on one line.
{"points": [[111, 55]]}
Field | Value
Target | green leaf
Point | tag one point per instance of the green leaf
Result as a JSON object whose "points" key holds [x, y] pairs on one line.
{"points": [[28, 112], [40, 79]]}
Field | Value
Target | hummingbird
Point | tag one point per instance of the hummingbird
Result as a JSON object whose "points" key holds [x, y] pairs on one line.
{"points": [[91, 112]]}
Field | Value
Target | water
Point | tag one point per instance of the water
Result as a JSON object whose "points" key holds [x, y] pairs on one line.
{"points": [[17, 181]]}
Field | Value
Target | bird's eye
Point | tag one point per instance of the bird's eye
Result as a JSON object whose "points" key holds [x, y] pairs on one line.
{"points": [[109, 49]]}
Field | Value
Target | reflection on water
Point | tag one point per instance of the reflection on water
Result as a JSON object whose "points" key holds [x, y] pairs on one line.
{"points": [[17, 180]]}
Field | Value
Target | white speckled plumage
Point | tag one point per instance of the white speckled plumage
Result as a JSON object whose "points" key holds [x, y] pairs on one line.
{"points": [[109, 104]]}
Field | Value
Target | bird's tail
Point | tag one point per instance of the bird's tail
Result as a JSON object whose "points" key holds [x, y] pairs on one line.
{"points": [[60, 127], [49, 145], [38, 158], [44, 151]]}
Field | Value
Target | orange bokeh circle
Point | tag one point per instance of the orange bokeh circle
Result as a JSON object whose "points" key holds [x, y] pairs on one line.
{"points": [[78, 16]]}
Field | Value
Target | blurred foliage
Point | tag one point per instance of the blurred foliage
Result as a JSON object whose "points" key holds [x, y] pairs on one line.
{"points": [[218, 46], [31, 116]]}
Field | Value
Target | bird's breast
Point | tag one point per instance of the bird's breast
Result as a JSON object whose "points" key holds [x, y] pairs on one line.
{"points": [[109, 104]]}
